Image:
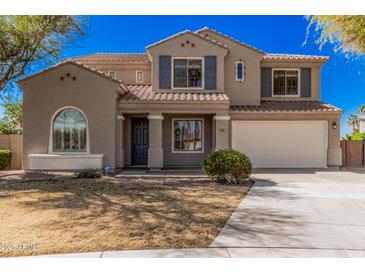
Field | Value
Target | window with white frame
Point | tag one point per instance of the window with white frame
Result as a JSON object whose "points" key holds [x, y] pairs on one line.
{"points": [[69, 131], [285, 82], [112, 73], [187, 135], [240, 71], [139, 76], [187, 73]]}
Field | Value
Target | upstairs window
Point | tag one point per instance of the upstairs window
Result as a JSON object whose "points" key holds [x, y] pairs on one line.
{"points": [[139, 76], [187, 73], [112, 73], [240, 67], [286, 82]]}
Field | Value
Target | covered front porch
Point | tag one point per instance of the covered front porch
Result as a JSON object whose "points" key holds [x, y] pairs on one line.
{"points": [[168, 140], [169, 133]]}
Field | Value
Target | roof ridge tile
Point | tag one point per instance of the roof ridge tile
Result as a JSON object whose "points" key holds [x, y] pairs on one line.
{"points": [[230, 38]]}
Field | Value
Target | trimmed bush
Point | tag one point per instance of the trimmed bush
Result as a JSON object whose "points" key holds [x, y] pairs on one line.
{"points": [[227, 166], [5, 158], [89, 173]]}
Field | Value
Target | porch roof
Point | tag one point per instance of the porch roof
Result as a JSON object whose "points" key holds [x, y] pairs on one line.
{"points": [[289, 106], [112, 58], [145, 94]]}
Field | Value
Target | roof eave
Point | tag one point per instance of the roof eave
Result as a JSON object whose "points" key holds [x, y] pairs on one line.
{"points": [[121, 85], [296, 58], [287, 111], [222, 102], [213, 42], [231, 39]]}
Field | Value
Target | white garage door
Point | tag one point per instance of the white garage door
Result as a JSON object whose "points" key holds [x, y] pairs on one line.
{"points": [[282, 144]]}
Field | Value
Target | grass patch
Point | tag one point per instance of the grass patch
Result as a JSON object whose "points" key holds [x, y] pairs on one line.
{"points": [[66, 216]]}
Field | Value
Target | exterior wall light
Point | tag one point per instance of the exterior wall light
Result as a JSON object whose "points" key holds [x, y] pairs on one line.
{"points": [[334, 125]]}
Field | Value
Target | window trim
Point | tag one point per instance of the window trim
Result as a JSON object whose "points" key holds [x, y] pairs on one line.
{"points": [[187, 88], [272, 83], [243, 71], [50, 145], [137, 76], [173, 135]]}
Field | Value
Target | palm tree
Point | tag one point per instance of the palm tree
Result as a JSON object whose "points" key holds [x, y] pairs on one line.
{"points": [[362, 108], [353, 122]]}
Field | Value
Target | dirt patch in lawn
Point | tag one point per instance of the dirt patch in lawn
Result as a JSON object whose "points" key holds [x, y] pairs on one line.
{"points": [[66, 216]]}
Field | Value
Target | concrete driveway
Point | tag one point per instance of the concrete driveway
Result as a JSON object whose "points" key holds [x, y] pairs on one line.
{"points": [[299, 213]]}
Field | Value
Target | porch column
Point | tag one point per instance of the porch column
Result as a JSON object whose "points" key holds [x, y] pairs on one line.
{"points": [[155, 151], [120, 158], [334, 151], [221, 128]]}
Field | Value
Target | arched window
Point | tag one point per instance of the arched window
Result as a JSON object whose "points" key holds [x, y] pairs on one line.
{"points": [[69, 131]]}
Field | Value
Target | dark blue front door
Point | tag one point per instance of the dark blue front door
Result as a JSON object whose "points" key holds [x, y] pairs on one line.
{"points": [[139, 141]]}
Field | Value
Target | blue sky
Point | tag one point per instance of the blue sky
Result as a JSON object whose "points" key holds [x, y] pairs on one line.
{"points": [[343, 80]]}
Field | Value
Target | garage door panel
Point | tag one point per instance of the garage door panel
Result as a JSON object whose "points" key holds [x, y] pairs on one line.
{"points": [[282, 144]]}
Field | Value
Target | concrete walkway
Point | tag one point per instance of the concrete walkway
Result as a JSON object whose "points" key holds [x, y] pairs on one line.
{"points": [[288, 213]]}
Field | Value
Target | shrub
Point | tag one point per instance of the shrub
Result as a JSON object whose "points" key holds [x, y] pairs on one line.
{"points": [[5, 158], [358, 136], [89, 173], [228, 166]]}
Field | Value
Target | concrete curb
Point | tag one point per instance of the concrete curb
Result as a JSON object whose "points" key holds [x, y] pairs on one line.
{"points": [[219, 252]]}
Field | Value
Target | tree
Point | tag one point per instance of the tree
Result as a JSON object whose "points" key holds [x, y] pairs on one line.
{"points": [[353, 122], [12, 119], [345, 32], [26, 40], [362, 108]]}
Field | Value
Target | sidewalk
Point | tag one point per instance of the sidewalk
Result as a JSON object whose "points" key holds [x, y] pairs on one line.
{"points": [[217, 252]]}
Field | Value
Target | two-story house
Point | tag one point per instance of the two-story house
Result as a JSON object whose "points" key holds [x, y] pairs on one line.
{"points": [[187, 96]]}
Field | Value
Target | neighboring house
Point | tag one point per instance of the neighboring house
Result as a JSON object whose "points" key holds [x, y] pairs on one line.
{"points": [[189, 95], [362, 122]]}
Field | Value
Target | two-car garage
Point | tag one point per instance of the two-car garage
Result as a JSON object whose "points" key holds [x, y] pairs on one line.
{"points": [[282, 144]]}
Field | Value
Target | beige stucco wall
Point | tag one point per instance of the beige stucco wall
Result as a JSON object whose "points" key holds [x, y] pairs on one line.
{"points": [[126, 71], [185, 159], [248, 91], [334, 148], [315, 78], [45, 94], [173, 47]]}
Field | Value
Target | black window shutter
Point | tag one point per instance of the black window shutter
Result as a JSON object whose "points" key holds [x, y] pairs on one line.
{"points": [[210, 67], [164, 62], [266, 82], [305, 82]]}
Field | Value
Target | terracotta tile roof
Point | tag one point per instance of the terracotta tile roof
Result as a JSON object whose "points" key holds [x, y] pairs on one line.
{"points": [[123, 87], [113, 58], [288, 106], [144, 93], [275, 56], [215, 42], [229, 38]]}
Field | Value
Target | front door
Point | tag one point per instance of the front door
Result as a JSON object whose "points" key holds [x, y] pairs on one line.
{"points": [[139, 141]]}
